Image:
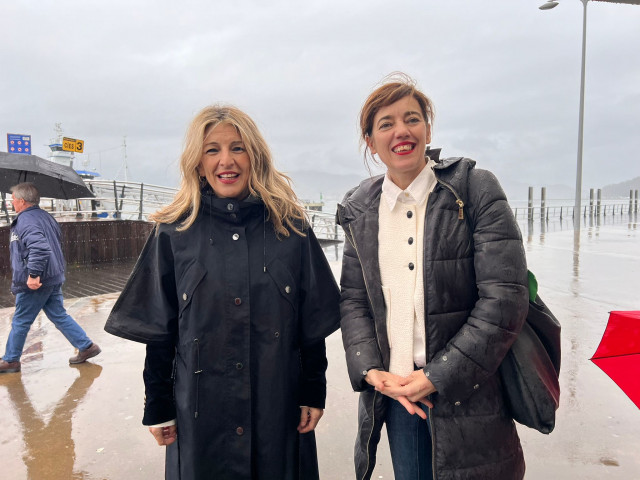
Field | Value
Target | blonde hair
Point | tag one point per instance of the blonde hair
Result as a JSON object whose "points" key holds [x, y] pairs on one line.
{"points": [[274, 188], [395, 86]]}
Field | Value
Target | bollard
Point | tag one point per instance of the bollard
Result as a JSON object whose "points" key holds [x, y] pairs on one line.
{"points": [[599, 202], [591, 202], [530, 213], [543, 203], [630, 202]]}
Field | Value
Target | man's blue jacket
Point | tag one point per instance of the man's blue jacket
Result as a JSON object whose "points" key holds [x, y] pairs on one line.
{"points": [[35, 248]]}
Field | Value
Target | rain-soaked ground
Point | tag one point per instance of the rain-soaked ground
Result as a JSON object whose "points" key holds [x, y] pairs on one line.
{"points": [[83, 422]]}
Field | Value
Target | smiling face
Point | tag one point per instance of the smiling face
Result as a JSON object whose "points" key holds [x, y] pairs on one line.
{"points": [[225, 162], [399, 136]]}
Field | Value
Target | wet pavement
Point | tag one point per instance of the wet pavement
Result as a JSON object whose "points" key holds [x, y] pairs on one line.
{"points": [[83, 422]]}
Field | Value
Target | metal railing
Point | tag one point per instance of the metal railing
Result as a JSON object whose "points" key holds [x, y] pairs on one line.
{"points": [[136, 201]]}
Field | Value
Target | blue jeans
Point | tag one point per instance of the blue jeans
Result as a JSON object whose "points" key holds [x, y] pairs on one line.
{"points": [[409, 442], [28, 306]]}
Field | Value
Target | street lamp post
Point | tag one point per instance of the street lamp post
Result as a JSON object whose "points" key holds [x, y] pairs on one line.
{"points": [[577, 205]]}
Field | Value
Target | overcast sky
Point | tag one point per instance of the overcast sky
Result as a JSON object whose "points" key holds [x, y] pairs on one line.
{"points": [[504, 77]]}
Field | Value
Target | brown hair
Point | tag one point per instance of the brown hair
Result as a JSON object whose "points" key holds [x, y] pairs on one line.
{"points": [[273, 187], [394, 87]]}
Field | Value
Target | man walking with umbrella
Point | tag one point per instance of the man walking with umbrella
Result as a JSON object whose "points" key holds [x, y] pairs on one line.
{"points": [[38, 274]]}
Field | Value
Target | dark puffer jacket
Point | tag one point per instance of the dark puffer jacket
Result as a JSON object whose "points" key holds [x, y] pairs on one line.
{"points": [[475, 278]]}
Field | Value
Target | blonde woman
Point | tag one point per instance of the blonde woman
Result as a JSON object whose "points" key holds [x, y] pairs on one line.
{"points": [[234, 298]]}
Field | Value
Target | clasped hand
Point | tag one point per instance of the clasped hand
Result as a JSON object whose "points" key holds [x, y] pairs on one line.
{"points": [[407, 390]]}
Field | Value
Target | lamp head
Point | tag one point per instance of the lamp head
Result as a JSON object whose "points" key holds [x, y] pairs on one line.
{"points": [[548, 6]]}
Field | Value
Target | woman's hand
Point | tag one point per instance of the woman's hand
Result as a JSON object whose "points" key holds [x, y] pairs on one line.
{"points": [[392, 385], [414, 388], [309, 418], [164, 435]]}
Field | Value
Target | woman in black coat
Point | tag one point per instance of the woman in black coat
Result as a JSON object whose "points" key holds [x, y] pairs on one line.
{"points": [[234, 298], [434, 292]]}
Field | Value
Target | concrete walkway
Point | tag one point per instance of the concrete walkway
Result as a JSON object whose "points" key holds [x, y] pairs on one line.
{"points": [[61, 422]]}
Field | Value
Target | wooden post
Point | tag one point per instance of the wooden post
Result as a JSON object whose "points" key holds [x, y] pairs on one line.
{"points": [[543, 203], [530, 214]]}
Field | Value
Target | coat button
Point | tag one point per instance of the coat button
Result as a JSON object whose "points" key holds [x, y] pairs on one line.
{"points": [[237, 301], [358, 354], [444, 358], [277, 334], [409, 214], [287, 289], [185, 296], [235, 236], [426, 374], [410, 240], [476, 386], [230, 207], [239, 366], [240, 431], [364, 372], [457, 404], [233, 216], [411, 266]]}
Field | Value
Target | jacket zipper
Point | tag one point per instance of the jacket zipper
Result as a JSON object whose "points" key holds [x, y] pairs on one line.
{"points": [[352, 240], [197, 373], [433, 447], [366, 285], [458, 199]]}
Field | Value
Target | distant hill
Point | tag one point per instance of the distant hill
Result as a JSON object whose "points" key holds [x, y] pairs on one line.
{"points": [[621, 189]]}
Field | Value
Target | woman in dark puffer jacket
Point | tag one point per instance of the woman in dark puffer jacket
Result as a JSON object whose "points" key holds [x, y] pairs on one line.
{"points": [[434, 292]]}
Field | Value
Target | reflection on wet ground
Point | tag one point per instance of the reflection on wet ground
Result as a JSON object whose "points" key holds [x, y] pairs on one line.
{"points": [[49, 447], [61, 422]]}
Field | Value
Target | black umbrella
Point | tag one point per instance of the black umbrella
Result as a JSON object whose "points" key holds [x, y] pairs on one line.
{"points": [[52, 180]]}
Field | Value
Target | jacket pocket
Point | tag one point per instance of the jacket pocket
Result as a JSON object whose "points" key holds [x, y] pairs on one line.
{"points": [[188, 283], [284, 280]]}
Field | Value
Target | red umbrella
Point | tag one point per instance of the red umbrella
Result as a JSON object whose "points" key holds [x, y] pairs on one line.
{"points": [[618, 354]]}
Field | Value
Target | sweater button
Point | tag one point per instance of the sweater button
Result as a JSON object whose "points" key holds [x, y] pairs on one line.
{"points": [[240, 431], [235, 236], [237, 301], [410, 240], [411, 266], [409, 214]]}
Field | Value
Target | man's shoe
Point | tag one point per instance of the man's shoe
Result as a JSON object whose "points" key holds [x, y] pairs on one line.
{"points": [[9, 367], [85, 355]]}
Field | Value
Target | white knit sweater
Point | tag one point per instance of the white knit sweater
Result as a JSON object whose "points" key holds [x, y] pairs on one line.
{"points": [[400, 248]]}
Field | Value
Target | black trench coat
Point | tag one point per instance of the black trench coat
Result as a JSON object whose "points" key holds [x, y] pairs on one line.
{"points": [[244, 314]]}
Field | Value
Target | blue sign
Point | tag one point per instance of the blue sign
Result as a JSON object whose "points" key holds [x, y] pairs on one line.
{"points": [[19, 143]]}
